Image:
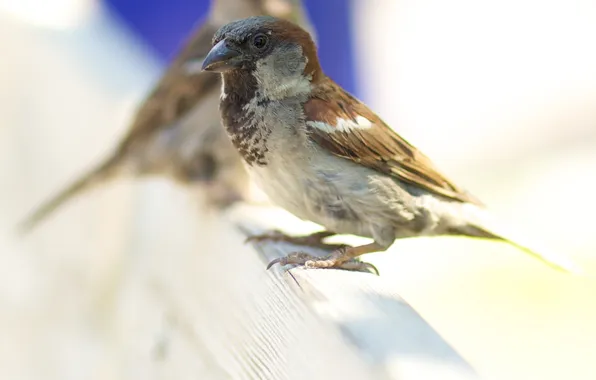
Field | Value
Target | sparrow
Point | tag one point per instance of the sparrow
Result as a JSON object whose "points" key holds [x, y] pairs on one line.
{"points": [[325, 157], [177, 132]]}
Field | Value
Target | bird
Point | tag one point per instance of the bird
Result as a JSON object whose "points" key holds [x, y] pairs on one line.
{"points": [[176, 131], [324, 156]]}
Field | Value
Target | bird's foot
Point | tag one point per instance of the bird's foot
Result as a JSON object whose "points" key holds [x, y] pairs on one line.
{"points": [[336, 260], [313, 240]]}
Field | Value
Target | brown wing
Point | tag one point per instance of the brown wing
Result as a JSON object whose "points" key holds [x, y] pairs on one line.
{"points": [[376, 145], [177, 92]]}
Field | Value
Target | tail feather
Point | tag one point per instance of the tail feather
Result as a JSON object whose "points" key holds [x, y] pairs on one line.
{"points": [[484, 227], [99, 174], [552, 259]]}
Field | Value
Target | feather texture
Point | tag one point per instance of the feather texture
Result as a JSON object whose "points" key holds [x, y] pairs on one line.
{"points": [[370, 142]]}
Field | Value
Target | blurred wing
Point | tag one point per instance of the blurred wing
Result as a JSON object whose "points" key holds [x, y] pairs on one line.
{"points": [[345, 127], [176, 94], [178, 91]]}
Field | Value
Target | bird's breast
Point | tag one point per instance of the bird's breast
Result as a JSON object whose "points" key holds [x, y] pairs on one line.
{"points": [[298, 183]]}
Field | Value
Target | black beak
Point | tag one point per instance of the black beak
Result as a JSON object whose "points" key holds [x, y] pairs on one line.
{"points": [[221, 58]]}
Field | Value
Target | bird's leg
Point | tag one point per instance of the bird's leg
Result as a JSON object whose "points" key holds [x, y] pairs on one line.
{"points": [[342, 258], [343, 255], [312, 240]]}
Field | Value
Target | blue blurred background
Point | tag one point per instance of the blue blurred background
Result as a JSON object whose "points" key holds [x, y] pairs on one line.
{"points": [[165, 24]]}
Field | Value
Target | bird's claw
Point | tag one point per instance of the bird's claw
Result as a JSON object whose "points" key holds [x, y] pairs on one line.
{"points": [[313, 240], [309, 261], [274, 235]]}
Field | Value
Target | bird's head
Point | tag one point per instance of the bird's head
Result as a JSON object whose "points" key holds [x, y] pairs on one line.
{"points": [[275, 51]]}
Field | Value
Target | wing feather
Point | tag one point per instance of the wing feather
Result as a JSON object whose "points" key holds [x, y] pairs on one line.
{"points": [[370, 142], [177, 93]]}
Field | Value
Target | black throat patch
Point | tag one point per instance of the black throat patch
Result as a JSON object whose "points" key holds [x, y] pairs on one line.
{"points": [[246, 128]]}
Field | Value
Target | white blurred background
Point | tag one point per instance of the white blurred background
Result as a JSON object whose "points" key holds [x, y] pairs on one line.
{"points": [[501, 94]]}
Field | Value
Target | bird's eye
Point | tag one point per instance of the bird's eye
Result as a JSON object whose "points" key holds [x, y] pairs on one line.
{"points": [[260, 41]]}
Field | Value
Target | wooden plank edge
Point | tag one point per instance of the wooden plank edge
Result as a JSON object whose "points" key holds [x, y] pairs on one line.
{"points": [[383, 329]]}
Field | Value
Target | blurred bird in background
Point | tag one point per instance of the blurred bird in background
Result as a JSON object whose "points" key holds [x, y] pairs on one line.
{"points": [[177, 131]]}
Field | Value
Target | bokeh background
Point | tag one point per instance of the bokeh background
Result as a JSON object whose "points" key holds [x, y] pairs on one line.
{"points": [[502, 94]]}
